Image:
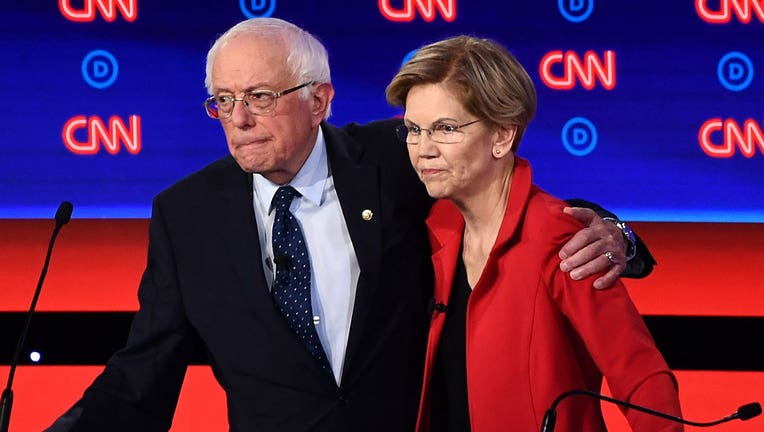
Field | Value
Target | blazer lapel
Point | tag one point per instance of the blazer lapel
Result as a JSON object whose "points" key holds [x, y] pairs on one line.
{"points": [[446, 226]]}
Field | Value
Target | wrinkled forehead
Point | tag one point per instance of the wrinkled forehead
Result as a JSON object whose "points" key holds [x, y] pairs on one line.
{"points": [[251, 46], [250, 59]]}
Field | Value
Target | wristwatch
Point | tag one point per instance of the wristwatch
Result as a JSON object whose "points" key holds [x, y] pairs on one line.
{"points": [[628, 237]]}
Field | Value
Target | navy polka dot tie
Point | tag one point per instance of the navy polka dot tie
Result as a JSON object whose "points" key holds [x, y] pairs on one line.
{"points": [[291, 288]]}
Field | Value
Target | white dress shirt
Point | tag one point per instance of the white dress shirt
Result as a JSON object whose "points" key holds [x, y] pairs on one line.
{"points": [[333, 263]]}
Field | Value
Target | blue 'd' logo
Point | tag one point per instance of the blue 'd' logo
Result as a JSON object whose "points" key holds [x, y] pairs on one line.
{"points": [[100, 69], [735, 71], [579, 136], [575, 10], [257, 8]]}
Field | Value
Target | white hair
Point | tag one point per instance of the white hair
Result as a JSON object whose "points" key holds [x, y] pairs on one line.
{"points": [[307, 59]]}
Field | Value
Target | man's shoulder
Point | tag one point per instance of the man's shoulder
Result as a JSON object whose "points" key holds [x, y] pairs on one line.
{"points": [[378, 141], [376, 145], [214, 176], [374, 129]]}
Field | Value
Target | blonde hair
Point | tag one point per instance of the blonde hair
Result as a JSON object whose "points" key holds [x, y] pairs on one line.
{"points": [[488, 80]]}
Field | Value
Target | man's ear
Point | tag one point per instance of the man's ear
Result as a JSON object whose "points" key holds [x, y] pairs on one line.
{"points": [[323, 94]]}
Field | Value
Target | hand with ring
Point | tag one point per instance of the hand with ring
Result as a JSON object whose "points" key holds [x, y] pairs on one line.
{"points": [[583, 254], [610, 257]]}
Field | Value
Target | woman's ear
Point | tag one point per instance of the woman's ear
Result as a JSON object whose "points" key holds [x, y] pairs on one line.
{"points": [[505, 140]]}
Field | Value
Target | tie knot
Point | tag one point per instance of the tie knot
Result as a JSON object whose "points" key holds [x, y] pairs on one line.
{"points": [[283, 198]]}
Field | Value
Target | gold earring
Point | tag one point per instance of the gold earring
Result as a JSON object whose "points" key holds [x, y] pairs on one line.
{"points": [[498, 151]]}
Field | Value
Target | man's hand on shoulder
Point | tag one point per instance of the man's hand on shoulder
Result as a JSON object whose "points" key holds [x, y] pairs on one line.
{"points": [[598, 247]]}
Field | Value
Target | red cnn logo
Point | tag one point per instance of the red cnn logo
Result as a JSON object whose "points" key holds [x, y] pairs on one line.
{"points": [[446, 8], [98, 132], [107, 9], [741, 8], [745, 138], [588, 70]]}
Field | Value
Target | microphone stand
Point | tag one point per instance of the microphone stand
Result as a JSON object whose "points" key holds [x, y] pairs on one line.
{"points": [[745, 412], [63, 215]]}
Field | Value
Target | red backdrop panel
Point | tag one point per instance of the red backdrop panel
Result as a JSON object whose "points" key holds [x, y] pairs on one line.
{"points": [[96, 264], [703, 268], [42, 393], [707, 396]]}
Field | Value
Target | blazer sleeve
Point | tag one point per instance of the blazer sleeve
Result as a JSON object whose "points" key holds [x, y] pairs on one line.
{"points": [[618, 341], [139, 388]]}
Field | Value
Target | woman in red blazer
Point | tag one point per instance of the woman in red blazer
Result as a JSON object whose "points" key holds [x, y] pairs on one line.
{"points": [[510, 331]]}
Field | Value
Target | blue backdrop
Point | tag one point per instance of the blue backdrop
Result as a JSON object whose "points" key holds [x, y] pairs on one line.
{"points": [[103, 97]]}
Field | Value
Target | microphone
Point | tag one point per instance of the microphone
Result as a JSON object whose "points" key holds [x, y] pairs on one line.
{"points": [[745, 412], [436, 308], [63, 215]]}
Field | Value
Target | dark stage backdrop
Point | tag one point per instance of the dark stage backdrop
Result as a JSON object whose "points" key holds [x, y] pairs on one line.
{"points": [[650, 108]]}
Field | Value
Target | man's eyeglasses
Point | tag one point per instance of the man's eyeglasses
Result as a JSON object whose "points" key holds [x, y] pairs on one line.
{"points": [[256, 102], [444, 133]]}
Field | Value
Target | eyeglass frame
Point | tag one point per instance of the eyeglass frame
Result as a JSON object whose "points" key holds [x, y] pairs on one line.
{"points": [[268, 109], [454, 128]]}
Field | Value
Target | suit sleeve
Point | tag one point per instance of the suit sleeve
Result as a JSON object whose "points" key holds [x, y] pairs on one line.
{"points": [[139, 388], [643, 262]]}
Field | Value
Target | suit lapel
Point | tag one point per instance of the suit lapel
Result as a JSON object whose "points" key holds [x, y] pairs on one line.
{"points": [[357, 186], [237, 223]]}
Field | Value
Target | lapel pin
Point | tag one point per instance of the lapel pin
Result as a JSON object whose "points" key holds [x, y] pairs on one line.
{"points": [[367, 215]]}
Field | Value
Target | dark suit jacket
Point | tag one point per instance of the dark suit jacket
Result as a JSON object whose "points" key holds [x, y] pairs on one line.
{"points": [[204, 288]]}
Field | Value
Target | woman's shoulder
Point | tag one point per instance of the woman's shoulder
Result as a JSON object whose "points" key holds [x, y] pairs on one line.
{"points": [[544, 215]]}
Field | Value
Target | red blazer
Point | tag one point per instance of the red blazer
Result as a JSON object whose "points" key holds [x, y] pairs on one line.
{"points": [[534, 333]]}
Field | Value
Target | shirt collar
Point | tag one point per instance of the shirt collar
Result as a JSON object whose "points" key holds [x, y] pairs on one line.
{"points": [[309, 181]]}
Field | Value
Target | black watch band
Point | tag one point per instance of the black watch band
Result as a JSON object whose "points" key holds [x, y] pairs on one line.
{"points": [[628, 237]]}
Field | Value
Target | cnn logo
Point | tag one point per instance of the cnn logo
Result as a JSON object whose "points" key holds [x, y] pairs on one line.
{"points": [[746, 138], [744, 10], [587, 70], [427, 10], [98, 133], [106, 8]]}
